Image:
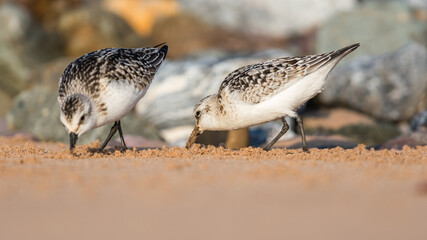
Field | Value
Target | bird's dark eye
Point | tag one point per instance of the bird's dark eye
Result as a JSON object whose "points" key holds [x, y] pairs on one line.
{"points": [[198, 113], [82, 118]]}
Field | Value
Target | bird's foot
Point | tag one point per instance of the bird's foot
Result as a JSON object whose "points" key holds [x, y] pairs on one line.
{"points": [[266, 148]]}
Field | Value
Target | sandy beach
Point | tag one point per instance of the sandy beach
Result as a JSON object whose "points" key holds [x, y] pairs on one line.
{"points": [[210, 193]]}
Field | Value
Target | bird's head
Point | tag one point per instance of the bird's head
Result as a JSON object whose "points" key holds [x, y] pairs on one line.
{"points": [[77, 116], [205, 113]]}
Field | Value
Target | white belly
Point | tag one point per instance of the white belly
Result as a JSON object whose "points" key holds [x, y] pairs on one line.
{"points": [[120, 98]]}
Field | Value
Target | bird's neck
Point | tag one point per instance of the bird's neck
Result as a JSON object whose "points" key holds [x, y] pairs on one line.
{"points": [[217, 116]]}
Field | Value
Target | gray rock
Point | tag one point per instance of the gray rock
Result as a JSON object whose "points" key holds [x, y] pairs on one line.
{"points": [[324, 142], [417, 3], [6, 103], [271, 18], [48, 74], [89, 29], [37, 111], [412, 139], [180, 85], [370, 135], [419, 121], [5, 132], [3, 127], [412, 3], [380, 27], [317, 141], [24, 45], [390, 87]]}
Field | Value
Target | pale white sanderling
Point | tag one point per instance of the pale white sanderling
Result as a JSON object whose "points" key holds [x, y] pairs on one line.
{"points": [[267, 91], [103, 86]]}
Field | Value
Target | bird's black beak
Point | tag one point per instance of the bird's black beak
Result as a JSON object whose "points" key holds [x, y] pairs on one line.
{"points": [[73, 140]]}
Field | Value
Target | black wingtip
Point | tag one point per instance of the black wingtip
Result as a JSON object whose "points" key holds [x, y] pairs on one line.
{"points": [[349, 48], [164, 49], [344, 51], [353, 46], [158, 45]]}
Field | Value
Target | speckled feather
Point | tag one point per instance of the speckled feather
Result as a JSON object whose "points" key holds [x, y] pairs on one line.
{"points": [[136, 66], [258, 82]]}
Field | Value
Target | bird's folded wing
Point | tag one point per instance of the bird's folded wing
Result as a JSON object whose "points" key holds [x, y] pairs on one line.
{"points": [[134, 65], [137, 67], [258, 82]]}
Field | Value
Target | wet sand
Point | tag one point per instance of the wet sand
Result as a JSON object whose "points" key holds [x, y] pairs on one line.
{"points": [[210, 193]]}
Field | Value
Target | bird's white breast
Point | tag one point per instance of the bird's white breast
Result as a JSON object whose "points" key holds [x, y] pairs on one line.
{"points": [[120, 97]]}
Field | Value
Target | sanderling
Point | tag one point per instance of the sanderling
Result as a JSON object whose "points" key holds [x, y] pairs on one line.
{"points": [[103, 86], [264, 92]]}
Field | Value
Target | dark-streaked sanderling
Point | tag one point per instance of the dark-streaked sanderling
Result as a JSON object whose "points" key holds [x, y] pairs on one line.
{"points": [[103, 86], [267, 91]]}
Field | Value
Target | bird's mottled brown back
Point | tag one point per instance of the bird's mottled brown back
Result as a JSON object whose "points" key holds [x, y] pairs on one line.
{"points": [[137, 66], [258, 82]]}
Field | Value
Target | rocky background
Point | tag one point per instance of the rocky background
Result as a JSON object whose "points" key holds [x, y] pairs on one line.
{"points": [[376, 96]]}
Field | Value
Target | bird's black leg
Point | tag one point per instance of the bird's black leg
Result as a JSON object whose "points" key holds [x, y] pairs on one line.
{"points": [[301, 128], [285, 128], [110, 135], [124, 147]]}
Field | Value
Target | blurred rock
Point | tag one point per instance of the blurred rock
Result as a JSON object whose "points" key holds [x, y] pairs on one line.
{"points": [[6, 103], [411, 3], [417, 3], [37, 111], [269, 17], [413, 139], [321, 142], [186, 34], [335, 118], [214, 138], [3, 126], [390, 87], [234, 139], [141, 15], [368, 134], [258, 137], [179, 86], [46, 12], [380, 27], [238, 138], [48, 74], [88, 29], [419, 122], [137, 142], [24, 45], [5, 132]]}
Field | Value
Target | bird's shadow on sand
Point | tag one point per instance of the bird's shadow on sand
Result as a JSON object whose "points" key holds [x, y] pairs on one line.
{"points": [[110, 151]]}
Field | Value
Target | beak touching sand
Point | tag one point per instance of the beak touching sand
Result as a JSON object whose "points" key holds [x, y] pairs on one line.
{"points": [[73, 140], [196, 132]]}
